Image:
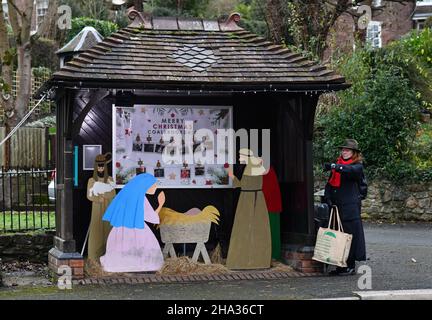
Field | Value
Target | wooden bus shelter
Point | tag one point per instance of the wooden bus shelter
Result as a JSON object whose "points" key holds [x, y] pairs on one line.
{"points": [[179, 61]]}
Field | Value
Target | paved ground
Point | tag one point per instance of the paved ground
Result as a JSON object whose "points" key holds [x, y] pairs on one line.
{"points": [[400, 258]]}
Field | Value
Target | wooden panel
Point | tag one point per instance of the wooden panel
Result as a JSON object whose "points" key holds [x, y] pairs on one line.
{"points": [[28, 148]]}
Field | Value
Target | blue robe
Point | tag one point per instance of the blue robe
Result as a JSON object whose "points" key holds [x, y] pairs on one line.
{"points": [[127, 208]]}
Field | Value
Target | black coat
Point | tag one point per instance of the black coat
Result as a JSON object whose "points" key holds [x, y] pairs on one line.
{"points": [[347, 197], [348, 200]]}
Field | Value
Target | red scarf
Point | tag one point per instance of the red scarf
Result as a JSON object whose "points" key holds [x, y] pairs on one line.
{"points": [[335, 179]]}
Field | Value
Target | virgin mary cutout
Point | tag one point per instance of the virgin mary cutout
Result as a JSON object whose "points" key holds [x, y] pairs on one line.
{"points": [[131, 245]]}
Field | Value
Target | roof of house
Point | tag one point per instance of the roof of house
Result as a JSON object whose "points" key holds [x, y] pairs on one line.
{"points": [[87, 38], [423, 11], [192, 52]]}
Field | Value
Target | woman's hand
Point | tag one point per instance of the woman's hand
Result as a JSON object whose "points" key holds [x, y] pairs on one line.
{"points": [[230, 173], [329, 166], [161, 199]]}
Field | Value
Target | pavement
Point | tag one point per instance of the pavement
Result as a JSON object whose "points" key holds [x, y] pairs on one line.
{"points": [[399, 264]]}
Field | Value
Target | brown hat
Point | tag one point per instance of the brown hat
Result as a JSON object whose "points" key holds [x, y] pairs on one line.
{"points": [[102, 159], [350, 144]]}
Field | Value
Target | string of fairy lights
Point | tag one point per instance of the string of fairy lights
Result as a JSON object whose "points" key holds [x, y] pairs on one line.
{"points": [[182, 91]]}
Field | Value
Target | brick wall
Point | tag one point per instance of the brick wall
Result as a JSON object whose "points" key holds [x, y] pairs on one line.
{"points": [[300, 259], [57, 266], [396, 21]]}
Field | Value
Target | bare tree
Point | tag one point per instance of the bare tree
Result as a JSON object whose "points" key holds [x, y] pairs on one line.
{"points": [[274, 15], [310, 22], [20, 20], [48, 27]]}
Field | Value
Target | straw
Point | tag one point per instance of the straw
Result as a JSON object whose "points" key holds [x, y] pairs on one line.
{"points": [[184, 266]]}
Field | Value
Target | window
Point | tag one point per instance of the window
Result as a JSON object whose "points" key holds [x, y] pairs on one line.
{"points": [[41, 10], [373, 36], [5, 9], [89, 155], [424, 3], [377, 3], [422, 13], [420, 24]]}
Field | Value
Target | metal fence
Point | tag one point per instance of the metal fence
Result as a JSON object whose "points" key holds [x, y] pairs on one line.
{"points": [[27, 199]]}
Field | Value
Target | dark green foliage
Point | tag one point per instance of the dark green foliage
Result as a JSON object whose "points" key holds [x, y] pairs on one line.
{"points": [[381, 110], [44, 54], [383, 119], [185, 8]]}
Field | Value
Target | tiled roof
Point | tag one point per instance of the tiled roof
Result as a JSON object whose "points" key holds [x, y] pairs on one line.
{"points": [[192, 52], [423, 11], [84, 40]]}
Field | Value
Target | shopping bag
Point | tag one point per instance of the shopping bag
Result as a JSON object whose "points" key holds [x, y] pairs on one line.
{"points": [[333, 245]]}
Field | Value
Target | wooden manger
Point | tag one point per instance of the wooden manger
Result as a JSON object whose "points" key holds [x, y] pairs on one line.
{"points": [[192, 226]]}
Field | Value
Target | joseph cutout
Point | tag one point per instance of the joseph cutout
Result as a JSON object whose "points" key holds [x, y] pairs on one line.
{"points": [[100, 191]]}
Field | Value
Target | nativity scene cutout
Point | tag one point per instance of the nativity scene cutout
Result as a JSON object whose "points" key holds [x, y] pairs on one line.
{"points": [[121, 240]]}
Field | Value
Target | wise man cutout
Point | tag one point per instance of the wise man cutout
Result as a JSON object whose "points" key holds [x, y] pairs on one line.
{"points": [[250, 242], [100, 191]]}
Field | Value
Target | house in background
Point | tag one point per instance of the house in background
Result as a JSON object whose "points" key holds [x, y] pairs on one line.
{"points": [[422, 12], [40, 9], [390, 21]]}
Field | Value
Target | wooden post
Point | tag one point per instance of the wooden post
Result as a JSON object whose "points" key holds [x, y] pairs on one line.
{"points": [[64, 234], [53, 151], [298, 245], [7, 147], [64, 251], [308, 109], [47, 143]]}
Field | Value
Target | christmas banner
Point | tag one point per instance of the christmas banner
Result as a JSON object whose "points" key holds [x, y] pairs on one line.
{"points": [[144, 136]]}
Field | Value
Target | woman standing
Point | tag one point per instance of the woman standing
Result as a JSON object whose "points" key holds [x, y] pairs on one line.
{"points": [[250, 243], [343, 190]]}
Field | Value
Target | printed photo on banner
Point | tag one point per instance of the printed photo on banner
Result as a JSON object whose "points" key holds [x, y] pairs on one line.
{"points": [[145, 136]]}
